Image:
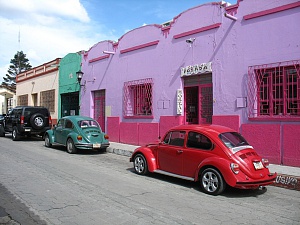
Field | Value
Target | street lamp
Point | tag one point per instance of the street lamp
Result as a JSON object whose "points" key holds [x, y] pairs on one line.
{"points": [[79, 75]]}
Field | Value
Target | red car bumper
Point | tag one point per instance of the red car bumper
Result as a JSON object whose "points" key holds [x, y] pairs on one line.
{"points": [[252, 184]]}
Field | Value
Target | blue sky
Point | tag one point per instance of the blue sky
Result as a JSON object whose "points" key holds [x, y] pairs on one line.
{"points": [[49, 29]]}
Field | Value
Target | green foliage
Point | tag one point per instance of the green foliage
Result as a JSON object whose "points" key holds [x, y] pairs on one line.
{"points": [[18, 65]]}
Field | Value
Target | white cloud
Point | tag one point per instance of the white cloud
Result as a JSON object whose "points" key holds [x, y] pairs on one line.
{"points": [[70, 9], [48, 29]]}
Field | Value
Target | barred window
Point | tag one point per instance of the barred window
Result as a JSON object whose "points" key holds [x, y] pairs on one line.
{"points": [[23, 100], [48, 100], [275, 90], [138, 98]]}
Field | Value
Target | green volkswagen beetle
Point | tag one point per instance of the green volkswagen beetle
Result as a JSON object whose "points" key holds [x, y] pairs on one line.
{"points": [[77, 132]]}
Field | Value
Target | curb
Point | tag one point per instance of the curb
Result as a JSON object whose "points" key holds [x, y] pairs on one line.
{"points": [[287, 181], [291, 182]]}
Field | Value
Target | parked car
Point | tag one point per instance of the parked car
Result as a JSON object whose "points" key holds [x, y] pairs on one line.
{"points": [[26, 121], [77, 132], [2, 117], [214, 155]]}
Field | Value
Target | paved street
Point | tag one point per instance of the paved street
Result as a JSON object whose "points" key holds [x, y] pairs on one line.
{"points": [[49, 186]]}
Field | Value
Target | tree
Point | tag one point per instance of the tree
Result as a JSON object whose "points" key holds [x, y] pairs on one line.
{"points": [[18, 65]]}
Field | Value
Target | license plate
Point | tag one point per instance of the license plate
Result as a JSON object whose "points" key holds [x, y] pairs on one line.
{"points": [[27, 130], [258, 165], [96, 145]]}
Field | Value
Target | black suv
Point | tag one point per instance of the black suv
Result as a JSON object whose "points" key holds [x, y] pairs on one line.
{"points": [[25, 121]]}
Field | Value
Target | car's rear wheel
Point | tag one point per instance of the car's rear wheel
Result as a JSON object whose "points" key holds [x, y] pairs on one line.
{"points": [[71, 148], [15, 135], [140, 164], [47, 141], [212, 182]]}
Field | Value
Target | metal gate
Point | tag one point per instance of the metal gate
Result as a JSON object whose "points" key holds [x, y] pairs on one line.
{"points": [[206, 103], [99, 108]]}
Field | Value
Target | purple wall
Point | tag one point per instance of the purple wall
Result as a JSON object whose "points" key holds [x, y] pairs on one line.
{"points": [[263, 33]]}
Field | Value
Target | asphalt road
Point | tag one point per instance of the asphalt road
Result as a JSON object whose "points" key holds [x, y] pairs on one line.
{"points": [[40, 185]]}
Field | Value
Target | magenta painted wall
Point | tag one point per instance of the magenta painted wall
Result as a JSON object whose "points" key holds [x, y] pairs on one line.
{"points": [[113, 128], [129, 133], [166, 122], [148, 133], [291, 145], [265, 139], [157, 52], [229, 121]]}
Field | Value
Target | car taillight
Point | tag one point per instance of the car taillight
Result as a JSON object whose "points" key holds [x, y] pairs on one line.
{"points": [[106, 136], [22, 119], [50, 121], [235, 168], [79, 138], [265, 163]]}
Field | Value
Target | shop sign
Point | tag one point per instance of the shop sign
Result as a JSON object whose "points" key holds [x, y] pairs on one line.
{"points": [[196, 69], [179, 101]]}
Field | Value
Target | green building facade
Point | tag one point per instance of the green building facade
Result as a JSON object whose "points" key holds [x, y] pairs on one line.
{"points": [[69, 88]]}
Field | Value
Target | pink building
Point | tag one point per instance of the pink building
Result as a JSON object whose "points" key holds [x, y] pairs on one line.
{"points": [[236, 66]]}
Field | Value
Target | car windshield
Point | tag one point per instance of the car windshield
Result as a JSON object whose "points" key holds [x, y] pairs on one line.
{"points": [[233, 140], [88, 123]]}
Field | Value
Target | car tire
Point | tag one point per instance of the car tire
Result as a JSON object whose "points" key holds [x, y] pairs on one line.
{"points": [[140, 164], [37, 121], [2, 131], [47, 141], [15, 134], [212, 182], [71, 148]]}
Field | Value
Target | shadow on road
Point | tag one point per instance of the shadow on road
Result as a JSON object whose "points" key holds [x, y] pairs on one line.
{"points": [[26, 138], [17, 211], [229, 191], [79, 151]]}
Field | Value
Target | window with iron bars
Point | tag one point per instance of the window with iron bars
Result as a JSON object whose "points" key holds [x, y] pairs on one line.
{"points": [[274, 90], [137, 101], [48, 100]]}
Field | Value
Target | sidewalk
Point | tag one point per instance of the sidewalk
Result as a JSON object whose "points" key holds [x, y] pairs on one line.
{"points": [[287, 176]]}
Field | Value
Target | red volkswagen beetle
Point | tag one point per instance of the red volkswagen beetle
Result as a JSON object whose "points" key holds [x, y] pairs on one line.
{"points": [[214, 155]]}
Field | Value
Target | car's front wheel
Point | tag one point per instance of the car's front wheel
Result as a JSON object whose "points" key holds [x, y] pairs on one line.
{"points": [[140, 164], [212, 182], [47, 141], [71, 148], [2, 131], [15, 134]]}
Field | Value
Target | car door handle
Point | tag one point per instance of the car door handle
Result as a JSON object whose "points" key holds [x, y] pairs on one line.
{"points": [[179, 151]]}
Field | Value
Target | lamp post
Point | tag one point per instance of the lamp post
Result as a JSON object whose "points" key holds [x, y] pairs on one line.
{"points": [[79, 75]]}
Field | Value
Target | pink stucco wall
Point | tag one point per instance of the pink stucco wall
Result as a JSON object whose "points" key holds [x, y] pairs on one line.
{"points": [[140, 133], [159, 53], [265, 138], [129, 133], [291, 145], [166, 122], [113, 128], [232, 121], [148, 133]]}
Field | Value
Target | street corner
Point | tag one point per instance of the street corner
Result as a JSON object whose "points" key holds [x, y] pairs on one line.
{"points": [[287, 181]]}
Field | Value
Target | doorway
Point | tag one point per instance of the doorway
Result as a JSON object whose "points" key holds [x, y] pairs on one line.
{"points": [[99, 108], [198, 94], [70, 104]]}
